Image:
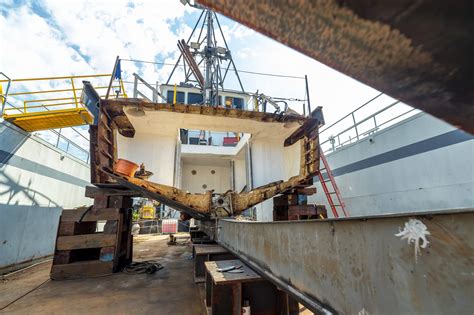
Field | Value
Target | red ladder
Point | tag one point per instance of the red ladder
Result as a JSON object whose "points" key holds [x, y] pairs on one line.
{"points": [[334, 186]]}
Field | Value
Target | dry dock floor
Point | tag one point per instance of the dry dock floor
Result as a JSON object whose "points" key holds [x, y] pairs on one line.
{"points": [[169, 291]]}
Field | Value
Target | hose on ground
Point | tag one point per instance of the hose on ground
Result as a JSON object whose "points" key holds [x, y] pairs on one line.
{"points": [[141, 267]]}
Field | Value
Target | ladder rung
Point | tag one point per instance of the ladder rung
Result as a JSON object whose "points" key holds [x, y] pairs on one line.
{"points": [[333, 192], [337, 205]]}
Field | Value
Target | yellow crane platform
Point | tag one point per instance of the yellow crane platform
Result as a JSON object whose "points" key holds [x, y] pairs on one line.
{"points": [[53, 119], [51, 102]]}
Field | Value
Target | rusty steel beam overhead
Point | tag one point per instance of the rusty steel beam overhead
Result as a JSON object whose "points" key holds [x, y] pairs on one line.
{"points": [[420, 52]]}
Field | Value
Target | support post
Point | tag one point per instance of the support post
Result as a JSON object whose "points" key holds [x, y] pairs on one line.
{"points": [[112, 77], [307, 94]]}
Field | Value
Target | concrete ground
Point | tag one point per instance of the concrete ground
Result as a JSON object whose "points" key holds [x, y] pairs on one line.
{"points": [[169, 291]]}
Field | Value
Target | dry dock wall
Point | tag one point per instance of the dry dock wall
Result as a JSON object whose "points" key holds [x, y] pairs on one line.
{"points": [[419, 164], [36, 182]]}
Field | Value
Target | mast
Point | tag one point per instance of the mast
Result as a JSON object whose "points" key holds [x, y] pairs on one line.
{"points": [[211, 58]]}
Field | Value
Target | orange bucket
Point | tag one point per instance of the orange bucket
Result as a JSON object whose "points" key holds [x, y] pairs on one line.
{"points": [[125, 167]]}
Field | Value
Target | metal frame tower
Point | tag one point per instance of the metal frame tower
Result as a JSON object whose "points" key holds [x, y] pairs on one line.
{"points": [[216, 61]]}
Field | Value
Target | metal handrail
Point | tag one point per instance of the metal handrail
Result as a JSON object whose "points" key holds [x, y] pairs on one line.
{"points": [[4, 96], [354, 127], [57, 78], [71, 101], [70, 142], [153, 89]]}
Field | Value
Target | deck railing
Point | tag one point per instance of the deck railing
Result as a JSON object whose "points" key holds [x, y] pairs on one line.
{"points": [[350, 129], [31, 95]]}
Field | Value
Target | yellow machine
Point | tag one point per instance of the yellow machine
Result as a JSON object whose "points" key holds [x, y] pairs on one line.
{"points": [[147, 212]]}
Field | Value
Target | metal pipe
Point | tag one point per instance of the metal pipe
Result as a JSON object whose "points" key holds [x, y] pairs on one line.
{"points": [[355, 125], [117, 60], [56, 78], [74, 92], [187, 42], [4, 96], [307, 94]]}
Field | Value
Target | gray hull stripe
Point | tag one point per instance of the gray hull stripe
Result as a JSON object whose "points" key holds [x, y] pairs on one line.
{"points": [[437, 142]]}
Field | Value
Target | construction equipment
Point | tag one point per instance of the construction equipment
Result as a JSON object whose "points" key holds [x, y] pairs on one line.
{"points": [[147, 212]]}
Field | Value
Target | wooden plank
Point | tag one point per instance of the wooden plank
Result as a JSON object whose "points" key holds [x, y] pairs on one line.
{"points": [[237, 299], [61, 257], [302, 210], [285, 200], [306, 191], [209, 249], [83, 269], [65, 228], [222, 278], [120, 202], [201, 245], [93, 191], [118, 243], [75, 228], [101, 202], [96, 240], [91, 215]]}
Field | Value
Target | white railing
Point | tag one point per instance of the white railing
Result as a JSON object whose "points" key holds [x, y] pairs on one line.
{"points": [[65, 144], [350, 128]]}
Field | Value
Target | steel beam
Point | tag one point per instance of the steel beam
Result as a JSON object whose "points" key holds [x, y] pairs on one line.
{"points": [[349, 265]]}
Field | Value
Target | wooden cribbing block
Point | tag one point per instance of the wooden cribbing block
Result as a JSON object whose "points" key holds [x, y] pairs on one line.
{"points": [[97, 240], [82, 269], [95, 214]]}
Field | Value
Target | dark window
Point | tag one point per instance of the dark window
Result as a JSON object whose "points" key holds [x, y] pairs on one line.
{"points": [[194, 98], [238, 103], [179, 96], [234, 102]]}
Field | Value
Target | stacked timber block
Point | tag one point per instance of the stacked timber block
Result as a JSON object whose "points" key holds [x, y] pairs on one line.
{"points": [[293, 205], [83, 252], [207, 252]]}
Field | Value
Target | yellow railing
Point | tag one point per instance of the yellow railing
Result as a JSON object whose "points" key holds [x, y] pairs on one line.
{"points": [[68, 92]]}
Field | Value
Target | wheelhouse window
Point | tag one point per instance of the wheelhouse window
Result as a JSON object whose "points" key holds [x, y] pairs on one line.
{"points": [[194, 98], [179, 96]]}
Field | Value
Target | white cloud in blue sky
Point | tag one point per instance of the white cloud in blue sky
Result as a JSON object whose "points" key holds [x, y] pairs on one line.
{"points": [[54, 37]]}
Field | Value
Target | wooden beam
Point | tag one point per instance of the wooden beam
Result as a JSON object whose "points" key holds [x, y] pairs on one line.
{"points": [[81, 269], [92, 215], [93, 191], [97, 240]]}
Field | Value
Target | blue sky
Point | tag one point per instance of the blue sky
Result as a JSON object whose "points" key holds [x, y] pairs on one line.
{"points": [[53, 37]]}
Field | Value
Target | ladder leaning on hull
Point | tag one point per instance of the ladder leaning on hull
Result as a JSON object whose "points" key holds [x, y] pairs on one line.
{"points": [[334, 195]]}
